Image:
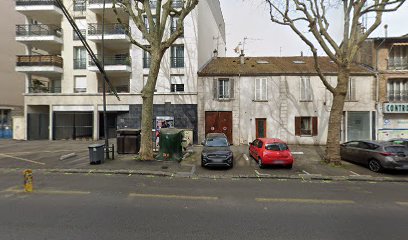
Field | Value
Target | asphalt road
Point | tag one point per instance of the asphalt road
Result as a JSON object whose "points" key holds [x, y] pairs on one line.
{"points": [[75, 206]]}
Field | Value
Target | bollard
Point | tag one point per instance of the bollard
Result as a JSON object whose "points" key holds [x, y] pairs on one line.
{"points": [[28, 180]]}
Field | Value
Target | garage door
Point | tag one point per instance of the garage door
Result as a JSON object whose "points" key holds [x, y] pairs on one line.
{"points": [[219, 122]]}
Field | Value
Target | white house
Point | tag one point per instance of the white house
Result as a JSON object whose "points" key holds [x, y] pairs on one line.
{"points": [[280, 97]]}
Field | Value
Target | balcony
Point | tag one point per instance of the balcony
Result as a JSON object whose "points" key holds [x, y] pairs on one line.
{"points": [[120, 63], [113, 34], [45, 65], [45, 11], [43, 36], [119, 89], [177, 62], [397, 95], [76, 37], [44, 89]]}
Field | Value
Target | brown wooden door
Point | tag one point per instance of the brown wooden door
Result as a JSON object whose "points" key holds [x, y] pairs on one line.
{"points": [[260, 127], [219, 122]]}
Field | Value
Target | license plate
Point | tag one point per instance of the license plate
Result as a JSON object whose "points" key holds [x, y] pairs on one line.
{"points": [[279, 162]]}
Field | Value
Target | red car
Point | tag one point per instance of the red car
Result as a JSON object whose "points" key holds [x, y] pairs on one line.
{"points": [[271, 151]]}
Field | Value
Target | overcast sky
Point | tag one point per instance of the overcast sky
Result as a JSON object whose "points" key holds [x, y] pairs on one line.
{"points": [[250, 18]]}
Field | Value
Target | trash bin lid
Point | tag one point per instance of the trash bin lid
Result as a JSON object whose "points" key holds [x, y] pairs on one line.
{"points": [[128, 131], [96, 145]]}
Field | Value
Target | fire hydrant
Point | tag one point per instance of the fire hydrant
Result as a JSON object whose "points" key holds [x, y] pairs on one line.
{"points": [[28, 180]]}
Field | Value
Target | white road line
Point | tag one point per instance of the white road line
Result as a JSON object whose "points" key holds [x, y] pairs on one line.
{"points": [[245, 156], [171, 196], [297, 153], [306, 172], [22, 159], [356, 174], [257, 173], [301, 200]]}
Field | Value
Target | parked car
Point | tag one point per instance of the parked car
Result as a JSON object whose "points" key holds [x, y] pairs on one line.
{"points": [[216, 151], [377, 155], [402, 141], [271, 151]]}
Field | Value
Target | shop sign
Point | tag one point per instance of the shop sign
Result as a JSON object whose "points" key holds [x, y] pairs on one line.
{"points": [[395, 108]]}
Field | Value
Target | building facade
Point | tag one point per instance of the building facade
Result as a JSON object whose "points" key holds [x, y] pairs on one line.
{"points": [[11, 92], [389, 57], [63, 93], [281, 97]]}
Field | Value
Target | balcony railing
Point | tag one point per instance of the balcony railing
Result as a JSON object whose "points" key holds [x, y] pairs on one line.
{"points": [[398, 96], [147, 62], [39, 60], [101, 1], [38, 30], [44, 89], [398, 64], [76, 37], [177, 62], [177, 4], [36, 2], [114, 29], [113, 60], [119, 89], [80, 63]]}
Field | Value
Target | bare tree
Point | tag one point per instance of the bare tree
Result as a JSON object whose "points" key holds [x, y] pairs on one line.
{"points": [[151, 18], [311, 15]]}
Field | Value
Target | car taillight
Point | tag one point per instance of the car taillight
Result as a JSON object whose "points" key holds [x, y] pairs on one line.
{"points": [[387, 154]]}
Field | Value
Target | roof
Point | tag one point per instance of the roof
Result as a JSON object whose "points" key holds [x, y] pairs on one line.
{"points": [[270, 66]]}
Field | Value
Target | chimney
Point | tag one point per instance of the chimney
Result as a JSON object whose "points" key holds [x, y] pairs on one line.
{"points": [[215, 53], [242, 57], [301, 53], [386, 30]]}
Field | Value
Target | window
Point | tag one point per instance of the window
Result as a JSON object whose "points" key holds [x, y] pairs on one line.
{"points": [[173, 26], [351, 90], [79, 58], [397, 90], [306, 126], [146, 22], [80, 84], [176, 83], [82, 25], [305, 89], [146, 59], [223, 88], [260, 89], [177, 56], [398, 58], [80, 5]]}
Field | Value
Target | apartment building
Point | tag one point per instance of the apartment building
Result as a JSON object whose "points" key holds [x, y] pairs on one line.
{"points": [[63, 90], [389, 57], [281, 97], [12, 83]]}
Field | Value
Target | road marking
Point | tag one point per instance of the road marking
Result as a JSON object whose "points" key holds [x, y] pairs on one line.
{"points": [[245, 156], [180, 197], [43, 191], [356, 174], [22, 159], [301, 200], [402, 203], [306, 172], [297, 153]]}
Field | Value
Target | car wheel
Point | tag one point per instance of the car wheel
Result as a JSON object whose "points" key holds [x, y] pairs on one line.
{"points": [[289, 166], [374, 165], [260, 164]]}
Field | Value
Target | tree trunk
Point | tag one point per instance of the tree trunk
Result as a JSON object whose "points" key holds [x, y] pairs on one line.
{"points": [[336, 114], [146, 147]]}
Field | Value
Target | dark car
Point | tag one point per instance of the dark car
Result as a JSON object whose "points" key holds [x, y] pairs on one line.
{"points": [[377, 155], [216, 151]]}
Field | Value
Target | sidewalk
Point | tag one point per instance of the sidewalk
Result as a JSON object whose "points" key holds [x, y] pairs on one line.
{"points": [[71, 156]]}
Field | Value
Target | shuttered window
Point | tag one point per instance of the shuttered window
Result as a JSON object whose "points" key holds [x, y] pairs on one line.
{"points": [[351, 90], [80, 84], [306, 126], [260, 89], [223, 88]]}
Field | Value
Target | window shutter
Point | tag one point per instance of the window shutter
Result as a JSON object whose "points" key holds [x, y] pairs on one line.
{"points": [[264, 89], [231, 90], [302, 88], [215, 88], [314, 126], [257, 88], [297, 126]]}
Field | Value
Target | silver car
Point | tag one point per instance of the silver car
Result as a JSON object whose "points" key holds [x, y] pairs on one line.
{"points": [[377, 155]]}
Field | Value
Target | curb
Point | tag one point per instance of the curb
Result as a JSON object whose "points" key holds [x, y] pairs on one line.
{"points": [[191, 175]]}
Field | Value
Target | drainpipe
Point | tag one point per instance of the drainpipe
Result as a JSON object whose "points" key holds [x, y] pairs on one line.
{"points": [[377, 88]]}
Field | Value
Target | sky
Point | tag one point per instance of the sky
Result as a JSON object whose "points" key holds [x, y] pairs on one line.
{"points": [[250, 19]]}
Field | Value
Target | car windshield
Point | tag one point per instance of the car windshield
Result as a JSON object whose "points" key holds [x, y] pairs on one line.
{"points": [[276, 147], [396, 149], [217, 142]]}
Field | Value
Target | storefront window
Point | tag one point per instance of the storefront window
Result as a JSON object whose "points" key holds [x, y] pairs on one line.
{"points": [[358, 126]]}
